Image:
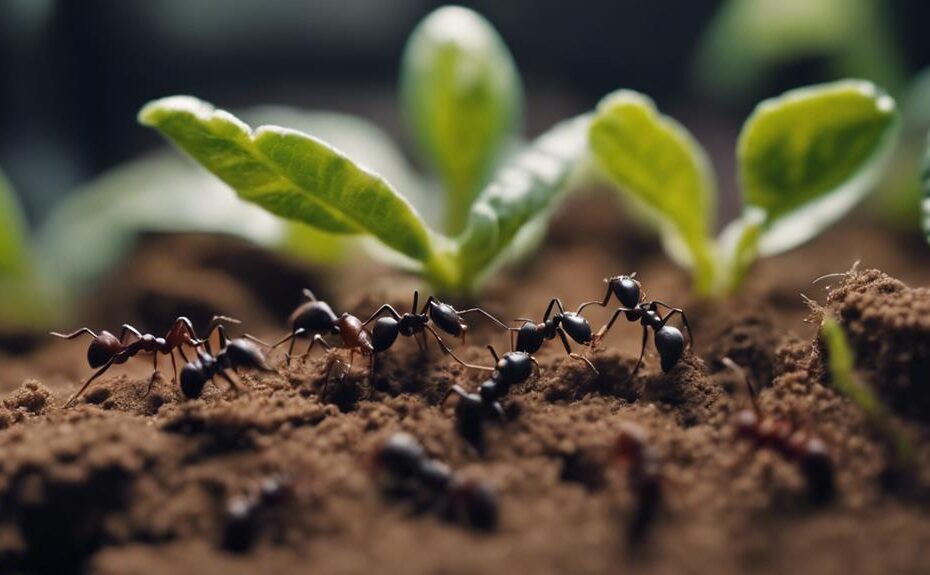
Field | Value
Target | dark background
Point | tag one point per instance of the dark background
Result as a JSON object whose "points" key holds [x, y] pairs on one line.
{"points": [[74, 73]]}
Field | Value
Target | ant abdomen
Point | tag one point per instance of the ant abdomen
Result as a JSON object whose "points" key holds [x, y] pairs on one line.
{"points": [[577, 327], [530, 337], [192, 380], [447, 319], [670, 343], [102, 348], [314, 317], [627, 290], [243, 353], [384, 333]]}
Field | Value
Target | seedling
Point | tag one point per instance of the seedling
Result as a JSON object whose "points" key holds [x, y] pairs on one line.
{"points": [[106, 350], [531, 335], [233, 355], [805, 159], [407, 472], [462, 96], [840, 362], [644, 477], [473, 409], [797, 445], [669, 341]]}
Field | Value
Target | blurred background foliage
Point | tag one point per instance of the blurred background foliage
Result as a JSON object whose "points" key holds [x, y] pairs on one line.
{"points": [[73, 73]]}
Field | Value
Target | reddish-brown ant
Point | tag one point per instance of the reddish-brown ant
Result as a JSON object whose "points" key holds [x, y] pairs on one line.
{"points": [[407, 472], [669, 341], [799, 446], [233, 355], [416, 323], [106, 350], [644, 478], [530, 336]]}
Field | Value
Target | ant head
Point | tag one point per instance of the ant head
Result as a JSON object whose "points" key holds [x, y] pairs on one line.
{"points": [[192, 380], [244, 353], [514, 367], [401, 456], [102, 349], [627, 289]]}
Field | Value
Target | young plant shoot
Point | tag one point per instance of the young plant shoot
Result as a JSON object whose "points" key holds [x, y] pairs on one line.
{"points": [[804, 158], [463, 98]]}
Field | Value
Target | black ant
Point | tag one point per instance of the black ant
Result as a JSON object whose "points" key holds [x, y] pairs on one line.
{"points": [[669, 341], [513, 368], [241, 513], [106, 350], [644, 477], [805, 449], [415, 323], [409, 473], [233, 354], [531, 335]]}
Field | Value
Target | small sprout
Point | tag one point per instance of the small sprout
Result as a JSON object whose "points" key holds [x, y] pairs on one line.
{"points": [[840, 362], [805, 159], [106, 350], [463, 97], [669, 341]]}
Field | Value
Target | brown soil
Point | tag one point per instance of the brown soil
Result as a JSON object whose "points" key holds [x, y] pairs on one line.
{"points": [[127, 483]]}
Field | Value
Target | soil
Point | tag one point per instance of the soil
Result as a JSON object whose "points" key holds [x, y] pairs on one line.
{"points": [[131, 483]]}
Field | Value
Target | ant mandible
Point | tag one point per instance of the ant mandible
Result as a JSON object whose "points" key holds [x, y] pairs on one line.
{"points": [[513, 368], [669, 341], [233, 354], [414, 323], [531, 335], [409, 472], [643, 476], [808, 451], [106, 350]]}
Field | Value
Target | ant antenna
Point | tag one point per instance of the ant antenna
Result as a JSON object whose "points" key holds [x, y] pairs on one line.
{"points": [[732, 365], [416, 301], [493, 353], [309, 294], [851, 270]]}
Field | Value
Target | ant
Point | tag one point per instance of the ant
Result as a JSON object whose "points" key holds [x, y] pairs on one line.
{"points": [[513, 368], [643, 464], [409, 472], [808, 451], [106, 350], [669, 341], [241, 513], [233, 354], [531, 335], [415, 323]]}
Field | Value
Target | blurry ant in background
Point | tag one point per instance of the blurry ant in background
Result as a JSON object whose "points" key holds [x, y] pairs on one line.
{"points": [[669, 341], [408, 472], [233, 355], [106, 350], [530, 336], [803, 448], [415, 323], [513, 368], [643, 462], [242, 512]]}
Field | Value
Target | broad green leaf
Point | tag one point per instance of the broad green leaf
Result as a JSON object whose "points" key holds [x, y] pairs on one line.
{"points": [[462, 96], [523, 190], [292, 175], [14, 258], [656, 162], [810, 155], [748, 40]]}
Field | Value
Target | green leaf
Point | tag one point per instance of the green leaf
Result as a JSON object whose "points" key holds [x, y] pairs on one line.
{"points": [[657, 163], [810, 155], [292, 175], [525, 190], [14, 250], [462, 96]]}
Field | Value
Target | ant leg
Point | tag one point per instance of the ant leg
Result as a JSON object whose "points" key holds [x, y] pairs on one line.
{"points": [[184, 355], [125, 331], [174, 366], [735, 367], [596, 302], [552, 302], [148, 390], [97, 374], [448, 351], [493, 319], [74, 334], [493, 354], [232, 383], [216, 324], [385, 308], [431, 300], [316, 338], [684, 319], [642, 353], [308, 294], [603, 331], [457, 390], [499, 411], [573, 355], [260, 342]]}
